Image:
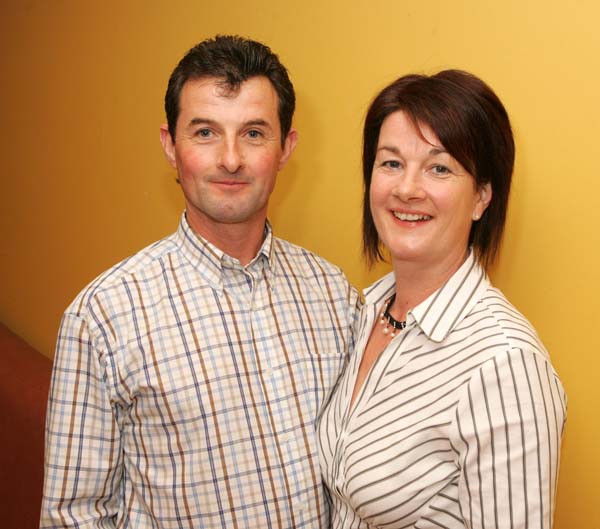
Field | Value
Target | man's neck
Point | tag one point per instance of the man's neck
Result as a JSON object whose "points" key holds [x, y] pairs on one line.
{"points": [[241, 241]]}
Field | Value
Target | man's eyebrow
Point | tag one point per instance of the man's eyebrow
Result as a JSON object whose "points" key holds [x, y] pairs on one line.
{"points": [[249, 123], [201, 121], [257, 122]]}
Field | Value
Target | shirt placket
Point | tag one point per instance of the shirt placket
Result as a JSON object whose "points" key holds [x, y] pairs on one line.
{"points": [[274, 381], [278, 387], [351, 416]]}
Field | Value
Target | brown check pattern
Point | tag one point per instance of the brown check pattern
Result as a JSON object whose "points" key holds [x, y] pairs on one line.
{"points": [[186, 388]]}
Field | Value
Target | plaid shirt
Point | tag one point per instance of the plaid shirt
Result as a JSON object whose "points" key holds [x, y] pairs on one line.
{"points": [[186, 388]]}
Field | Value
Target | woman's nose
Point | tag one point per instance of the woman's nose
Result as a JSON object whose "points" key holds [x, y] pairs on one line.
{"points": [[409, 185]]}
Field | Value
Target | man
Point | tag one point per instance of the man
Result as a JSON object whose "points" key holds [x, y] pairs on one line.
{"points": [[188, 378]]}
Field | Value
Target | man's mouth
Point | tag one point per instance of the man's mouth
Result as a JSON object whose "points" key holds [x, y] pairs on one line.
{"points": [[230, 183]]}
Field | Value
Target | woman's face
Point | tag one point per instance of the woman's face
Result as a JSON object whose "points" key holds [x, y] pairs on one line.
{"points": [[422, 200]]}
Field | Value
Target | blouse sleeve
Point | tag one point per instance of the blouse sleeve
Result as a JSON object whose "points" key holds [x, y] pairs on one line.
{"points": [[507, 435]]}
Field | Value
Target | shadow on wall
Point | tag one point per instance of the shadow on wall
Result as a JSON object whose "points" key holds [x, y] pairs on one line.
{"points": [[24, 383]]}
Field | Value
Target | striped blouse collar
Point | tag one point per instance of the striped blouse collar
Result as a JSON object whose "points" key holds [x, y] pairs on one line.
{"points": [[210, 260], [439, 314]]}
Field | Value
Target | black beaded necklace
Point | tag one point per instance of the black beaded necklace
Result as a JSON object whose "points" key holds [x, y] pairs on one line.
{"points": [[388, 320]]}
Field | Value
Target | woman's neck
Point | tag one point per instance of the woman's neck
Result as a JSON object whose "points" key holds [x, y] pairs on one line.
{"points": [[416, 282]]}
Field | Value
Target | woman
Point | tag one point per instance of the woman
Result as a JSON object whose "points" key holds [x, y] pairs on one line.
{"points": [[449, 413]]}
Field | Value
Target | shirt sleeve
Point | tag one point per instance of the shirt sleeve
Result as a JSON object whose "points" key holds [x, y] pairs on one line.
{"points": [[83, 450], [507, 435]]}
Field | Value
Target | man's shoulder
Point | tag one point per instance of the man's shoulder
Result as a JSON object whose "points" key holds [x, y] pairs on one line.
{"points": [[295, 259], [295, 264], [139, 268]]}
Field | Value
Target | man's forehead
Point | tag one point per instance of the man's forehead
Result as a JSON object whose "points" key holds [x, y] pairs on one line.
{"points": [[223, 87], [208, 99], [220, 86]]}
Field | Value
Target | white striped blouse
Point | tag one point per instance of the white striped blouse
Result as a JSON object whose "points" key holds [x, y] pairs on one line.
{"points": [[458, 423]]}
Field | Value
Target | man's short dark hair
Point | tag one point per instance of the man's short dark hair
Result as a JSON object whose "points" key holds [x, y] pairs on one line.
{"points": [[232, 60], [472, 125]]}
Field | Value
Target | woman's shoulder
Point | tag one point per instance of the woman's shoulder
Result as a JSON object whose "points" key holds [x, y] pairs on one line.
{"points": [[513, 325]]}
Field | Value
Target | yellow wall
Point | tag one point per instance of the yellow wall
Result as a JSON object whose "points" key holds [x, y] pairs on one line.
{"points": [[84, 182]]}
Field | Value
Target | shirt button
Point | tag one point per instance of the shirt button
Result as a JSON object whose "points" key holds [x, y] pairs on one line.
{"points": [[269, 372], [284, 437]]}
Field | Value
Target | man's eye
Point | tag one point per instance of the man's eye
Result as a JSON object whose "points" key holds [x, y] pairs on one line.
{"points": [[254, 134], [204, 133]]}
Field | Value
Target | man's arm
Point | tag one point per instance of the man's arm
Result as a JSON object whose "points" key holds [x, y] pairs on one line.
{"points": [[83, 457]]}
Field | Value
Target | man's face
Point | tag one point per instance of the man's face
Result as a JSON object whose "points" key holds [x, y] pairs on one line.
{"points": [[227, 152]]}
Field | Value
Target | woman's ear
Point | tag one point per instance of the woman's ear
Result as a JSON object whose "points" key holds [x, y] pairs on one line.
{"points": [[484, 197]]}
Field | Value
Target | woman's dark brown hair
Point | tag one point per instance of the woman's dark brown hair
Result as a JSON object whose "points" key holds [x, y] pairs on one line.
{"points": [[472, 125]]}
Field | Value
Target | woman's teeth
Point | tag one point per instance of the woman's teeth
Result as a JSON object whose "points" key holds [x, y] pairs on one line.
{"points": [[411, 217]]}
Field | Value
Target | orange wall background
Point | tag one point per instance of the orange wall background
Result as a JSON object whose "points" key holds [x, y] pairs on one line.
{"points": [[84, 182]]}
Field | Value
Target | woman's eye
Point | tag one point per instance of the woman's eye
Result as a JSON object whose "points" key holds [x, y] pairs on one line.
{"points": [[391, 164], [440, 170]]}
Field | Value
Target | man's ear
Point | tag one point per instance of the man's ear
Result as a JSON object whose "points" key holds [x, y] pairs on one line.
{"points": [[167, 144], [288, 147]]}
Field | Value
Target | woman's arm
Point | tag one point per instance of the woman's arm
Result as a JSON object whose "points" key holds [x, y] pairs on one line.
{"points": [[507, 434]]}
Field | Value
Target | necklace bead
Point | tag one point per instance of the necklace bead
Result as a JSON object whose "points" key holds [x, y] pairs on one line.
{"points": [[389, 321]]}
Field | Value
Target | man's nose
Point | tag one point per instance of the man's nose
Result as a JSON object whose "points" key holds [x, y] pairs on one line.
{"points": [[231, 156]]}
